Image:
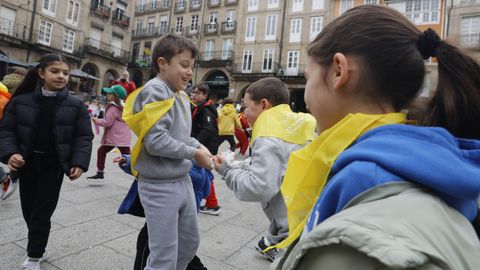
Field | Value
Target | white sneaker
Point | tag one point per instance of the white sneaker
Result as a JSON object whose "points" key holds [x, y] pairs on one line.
{"points": [[34, 263]]}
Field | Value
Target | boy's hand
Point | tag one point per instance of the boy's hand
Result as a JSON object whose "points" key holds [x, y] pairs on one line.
{"points": [[203, 159], [218, 159], [202, 147], [15, 162], [75, 173], [119, 160]]}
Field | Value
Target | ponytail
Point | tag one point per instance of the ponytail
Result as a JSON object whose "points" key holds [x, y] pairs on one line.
{"points": [[455, 105], [32, 80]]}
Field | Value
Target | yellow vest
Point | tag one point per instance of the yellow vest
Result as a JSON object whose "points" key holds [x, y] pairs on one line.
{"points": [[141, 122], [309, 167], [280, 122]]}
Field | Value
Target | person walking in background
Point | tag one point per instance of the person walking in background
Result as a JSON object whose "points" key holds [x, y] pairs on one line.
{"points": [[243, 135], [371, 192], [125, 82], [62, 145], [277, 132], [227, 122], [116, 132], [205, 130]]}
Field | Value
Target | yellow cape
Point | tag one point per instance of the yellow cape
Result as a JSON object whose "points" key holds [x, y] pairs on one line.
{"points": [[309, 167], [280, 122], [141, 122]]}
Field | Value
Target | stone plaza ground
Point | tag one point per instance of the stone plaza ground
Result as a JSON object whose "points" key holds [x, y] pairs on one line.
{"points": [[88, 234]]}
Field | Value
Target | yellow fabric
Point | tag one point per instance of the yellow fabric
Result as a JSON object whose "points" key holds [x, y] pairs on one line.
{"points": [[228, 120], [141, 122], [309, 167], [280, 122]]}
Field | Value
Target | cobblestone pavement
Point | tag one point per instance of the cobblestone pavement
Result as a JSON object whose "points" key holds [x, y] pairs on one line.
{"points": [[88, 234]]}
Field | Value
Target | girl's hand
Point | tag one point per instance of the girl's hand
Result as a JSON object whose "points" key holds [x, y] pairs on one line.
{"points": [[218, 159], [203, 159], [75, 173], [119, 160], [15, 162], [94, 120]]}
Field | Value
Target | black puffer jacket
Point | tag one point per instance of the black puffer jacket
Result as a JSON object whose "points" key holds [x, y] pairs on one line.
{"points": [[72, 129], [204, 126]]}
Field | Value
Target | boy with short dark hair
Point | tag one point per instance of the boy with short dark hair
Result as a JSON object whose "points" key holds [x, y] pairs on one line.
{"points": [[277, 132], [161, 157]]}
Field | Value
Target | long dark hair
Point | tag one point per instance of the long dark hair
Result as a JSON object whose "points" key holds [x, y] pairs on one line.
{"points": [[392, 55], [32, 80]]}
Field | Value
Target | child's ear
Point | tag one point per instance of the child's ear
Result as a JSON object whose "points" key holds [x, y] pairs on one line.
{"points": [[266, 104], [161, 62], [41, 73], [341, 76]]}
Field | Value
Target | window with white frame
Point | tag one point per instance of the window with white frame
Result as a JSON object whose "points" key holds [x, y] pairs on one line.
{"points": [[423, 11], [250, 29], [272, 4], [295, 30], [292, 62], [95, 37], [194, 24], [45, 32], [371, 2], [252, 5], [179, 25], [117, 46], [73, 11], [163, 24], [297, 5], [7, 20], [139, 25], [267, 64], [316, 25], [230, 15], [247, 61], [68, 40], [317, 4], [49, 7], [150, 25], [271, 27], [345, 5], [227, 48], [470, 32], [209, 48]]}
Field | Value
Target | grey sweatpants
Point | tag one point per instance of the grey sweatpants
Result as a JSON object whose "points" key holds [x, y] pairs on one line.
{"points": [[172, 223]]}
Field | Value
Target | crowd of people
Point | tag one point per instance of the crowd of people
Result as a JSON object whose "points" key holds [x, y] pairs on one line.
{"points": [[353, 184]]}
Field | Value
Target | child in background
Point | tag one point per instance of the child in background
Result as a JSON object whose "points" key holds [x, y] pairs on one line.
{"points": [[161, 157], [372, 192], [116, 132], [277, 132], [243, 135], [62, 145], [227, 122]]}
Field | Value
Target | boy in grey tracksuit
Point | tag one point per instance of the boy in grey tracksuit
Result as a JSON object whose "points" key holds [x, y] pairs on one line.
{"points": [[260, 181], [164, 185]]}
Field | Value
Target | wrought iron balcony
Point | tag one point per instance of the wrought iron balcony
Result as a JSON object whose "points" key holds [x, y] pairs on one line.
{"points": [[231, 2], [195, 5], [215, 58], [192, 31], [120, 19], [229, 27], [153, 6], [178, 30], [210, 29], [471, 41], [105, 49], [213, 3], [101, 10], [180, 7], [149, 32]]}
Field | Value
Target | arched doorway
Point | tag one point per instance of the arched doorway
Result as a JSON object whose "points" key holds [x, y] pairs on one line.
{"points": [[110, 76], [218, 83]]}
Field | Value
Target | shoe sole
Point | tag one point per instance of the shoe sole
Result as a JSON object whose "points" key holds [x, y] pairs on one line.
{"points": [[210, 213], [265, 255]]}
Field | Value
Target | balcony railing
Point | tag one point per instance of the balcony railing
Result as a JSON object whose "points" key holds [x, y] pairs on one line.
{"points": [[229, 27], [101, 10], [231, 2], [216, 55], [192, 31], [213, 3], [210, 29], [120, 19], [268, 67], [178, 30], [195, 5], [471, 41], [149, 32], [153, 6], [56, 42], [180, 7], [13, 29], [106, 49]]}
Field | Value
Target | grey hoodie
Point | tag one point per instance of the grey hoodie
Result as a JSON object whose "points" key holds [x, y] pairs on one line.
{"points": [[167, 148]]}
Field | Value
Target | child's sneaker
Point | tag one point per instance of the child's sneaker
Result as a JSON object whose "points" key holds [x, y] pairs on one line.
{"points": [[264, 244], [34, 263], [9, 187], [215, 211]]}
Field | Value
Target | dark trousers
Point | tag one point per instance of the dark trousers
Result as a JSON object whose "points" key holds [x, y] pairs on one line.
{"points": [[102, 154], [230, 139], [143, 251], [40, 182]]}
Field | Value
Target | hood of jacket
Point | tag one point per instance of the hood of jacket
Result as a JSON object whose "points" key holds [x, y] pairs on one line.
{"points": [[228, 110]]}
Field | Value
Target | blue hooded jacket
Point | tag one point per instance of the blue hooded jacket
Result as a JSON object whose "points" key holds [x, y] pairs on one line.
{"points": [[431, 157]]}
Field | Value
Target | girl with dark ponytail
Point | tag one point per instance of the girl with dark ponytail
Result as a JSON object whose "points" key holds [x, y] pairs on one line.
{"points": [[372, 192], [44, 134]]}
